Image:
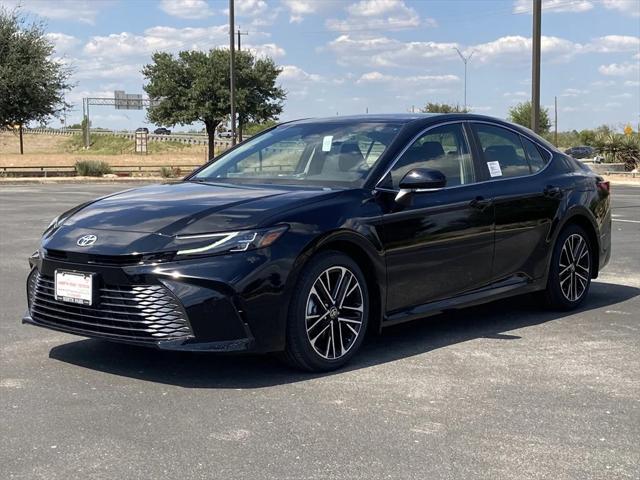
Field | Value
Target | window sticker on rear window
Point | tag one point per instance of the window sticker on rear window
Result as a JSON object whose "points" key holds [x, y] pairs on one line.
{"points": [[494, 169], [326, 143]]}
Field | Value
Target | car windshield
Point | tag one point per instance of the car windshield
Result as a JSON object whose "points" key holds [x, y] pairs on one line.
{"points": [[319, 154]]}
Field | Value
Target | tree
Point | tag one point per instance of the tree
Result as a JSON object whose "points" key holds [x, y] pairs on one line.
{"points": [[32, 84], [521, 114], [194, 86], [434, 107]]}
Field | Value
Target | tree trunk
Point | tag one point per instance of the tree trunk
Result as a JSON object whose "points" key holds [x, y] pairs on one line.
{"points": [[240, 129], [211, 134], [21, 143]]}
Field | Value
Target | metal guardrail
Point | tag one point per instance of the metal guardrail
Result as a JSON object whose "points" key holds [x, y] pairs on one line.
{"points": [[188, 138], [70, 170]]}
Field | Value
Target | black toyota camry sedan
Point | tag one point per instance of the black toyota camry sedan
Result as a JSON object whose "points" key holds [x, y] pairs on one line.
{"points": [[313, 232]]}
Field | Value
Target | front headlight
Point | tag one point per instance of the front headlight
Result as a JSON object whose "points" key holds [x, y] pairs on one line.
{"points": [[229, 242]]}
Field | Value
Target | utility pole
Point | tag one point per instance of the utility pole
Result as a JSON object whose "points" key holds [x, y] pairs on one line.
{"points": [[240, 113], [465, 60], [535, 66], [240, 39], [555, 121], [232, 66]]}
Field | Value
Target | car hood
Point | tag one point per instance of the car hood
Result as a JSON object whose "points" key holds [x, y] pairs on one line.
{"points": [[147, 218]]}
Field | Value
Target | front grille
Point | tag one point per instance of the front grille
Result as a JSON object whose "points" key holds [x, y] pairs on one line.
{"points": [[139, 313], [94, 258]]}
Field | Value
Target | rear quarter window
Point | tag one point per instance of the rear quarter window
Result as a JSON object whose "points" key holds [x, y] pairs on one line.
{"points": [[537, 157]]}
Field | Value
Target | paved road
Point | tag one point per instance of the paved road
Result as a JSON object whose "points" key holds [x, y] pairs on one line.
{"points": [[503, 391]]}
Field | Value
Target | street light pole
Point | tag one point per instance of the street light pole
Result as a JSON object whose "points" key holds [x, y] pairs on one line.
{"points": [[535, 66], [465, 60], [232, 86]]}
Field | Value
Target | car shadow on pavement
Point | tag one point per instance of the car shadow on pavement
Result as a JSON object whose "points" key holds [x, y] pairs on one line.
{"points": [[201, 370]]}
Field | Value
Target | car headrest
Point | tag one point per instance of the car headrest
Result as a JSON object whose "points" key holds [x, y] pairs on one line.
{"points": [[505, 154], [430, 150], [350, 156]]}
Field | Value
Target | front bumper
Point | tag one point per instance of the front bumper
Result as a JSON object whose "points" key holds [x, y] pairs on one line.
{"points": [[227, 303]]}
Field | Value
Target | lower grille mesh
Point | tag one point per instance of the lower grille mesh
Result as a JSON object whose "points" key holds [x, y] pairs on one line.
{"points": [[141, 313]]}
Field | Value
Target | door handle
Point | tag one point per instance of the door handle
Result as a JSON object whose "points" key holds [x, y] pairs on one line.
{"points": [[480, 203], [553, 192]]}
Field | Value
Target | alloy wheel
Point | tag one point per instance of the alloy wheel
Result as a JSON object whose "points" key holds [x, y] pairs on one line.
{"points": [[334, 312], [575, 267]]}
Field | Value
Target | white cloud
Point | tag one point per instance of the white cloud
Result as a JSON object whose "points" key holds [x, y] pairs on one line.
{"points": [[62, 41], [250, 7], [426, 80], [387, 52], [614, 43], [517, 49], [266, 49], [122, 44], [619, 69], [84, 11], [298, 9], [294, 73], [376, 14], [518, 94], [550, 6], [631, 7], [190, 9], [573, 92], [632, 83]]}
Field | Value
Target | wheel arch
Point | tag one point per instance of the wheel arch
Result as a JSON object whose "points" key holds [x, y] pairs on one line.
{"points": [[369, 258], [583, 218]]}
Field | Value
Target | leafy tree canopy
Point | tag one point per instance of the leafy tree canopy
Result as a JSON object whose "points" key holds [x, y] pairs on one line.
{"points": [[194, 86], [521, 114], [32, 84], [434, 107]]}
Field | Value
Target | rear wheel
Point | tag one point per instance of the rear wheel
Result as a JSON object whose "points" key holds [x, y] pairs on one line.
{"points": [[328, 313], [570, 270]]}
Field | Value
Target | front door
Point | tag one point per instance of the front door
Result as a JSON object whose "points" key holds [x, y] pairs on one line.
{"points": [[440, 244]]}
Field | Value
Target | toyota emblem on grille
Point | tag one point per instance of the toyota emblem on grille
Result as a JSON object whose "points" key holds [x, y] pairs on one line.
{"points": [[87, 240]]}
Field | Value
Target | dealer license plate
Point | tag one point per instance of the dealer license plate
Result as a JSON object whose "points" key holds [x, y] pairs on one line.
{"points": [[74, 287]]}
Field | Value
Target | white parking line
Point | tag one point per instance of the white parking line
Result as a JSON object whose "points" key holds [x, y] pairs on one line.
{"points": [[623, 220]]}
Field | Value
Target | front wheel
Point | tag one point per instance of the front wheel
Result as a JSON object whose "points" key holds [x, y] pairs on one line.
{"points": [[328, 313], [570, 270]]}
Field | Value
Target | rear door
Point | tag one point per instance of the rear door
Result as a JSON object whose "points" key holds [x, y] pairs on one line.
{"points": [[441, 243], [525, 202]]}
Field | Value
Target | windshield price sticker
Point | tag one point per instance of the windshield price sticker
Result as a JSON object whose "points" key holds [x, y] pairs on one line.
{"points": [[494, 169], [326, 143]]}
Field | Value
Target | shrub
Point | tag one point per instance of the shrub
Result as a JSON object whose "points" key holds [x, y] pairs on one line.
{"points": [[621, 148], [92, 168], [170, 172]]}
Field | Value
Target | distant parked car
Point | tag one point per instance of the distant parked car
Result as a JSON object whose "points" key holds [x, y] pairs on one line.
{"points": [[142, 129], [224, 134], [162, 131], [581, 152]]}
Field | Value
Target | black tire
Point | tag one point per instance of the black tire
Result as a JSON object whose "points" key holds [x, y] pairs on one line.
{"points": [[564, 292], [309, 315]]}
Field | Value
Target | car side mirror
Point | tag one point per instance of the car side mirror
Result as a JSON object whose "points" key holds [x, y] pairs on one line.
{"points": [[423, 179], [420, 180]]}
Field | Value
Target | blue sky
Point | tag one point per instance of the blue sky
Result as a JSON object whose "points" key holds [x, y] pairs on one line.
{"points": [[347, 56]]}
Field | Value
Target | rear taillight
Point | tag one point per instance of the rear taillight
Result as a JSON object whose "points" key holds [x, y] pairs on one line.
{"points": [[604, 186]]}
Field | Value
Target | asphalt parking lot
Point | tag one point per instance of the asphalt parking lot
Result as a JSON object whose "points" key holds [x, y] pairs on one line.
{"points": [[503, 391]]}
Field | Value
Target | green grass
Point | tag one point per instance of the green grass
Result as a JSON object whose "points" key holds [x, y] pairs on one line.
{"points": [[115, 145], [101, 145]]}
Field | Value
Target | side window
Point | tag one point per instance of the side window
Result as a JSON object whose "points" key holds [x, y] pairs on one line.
{"points": [[444, 149], [502, 150], [536, 160]]}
